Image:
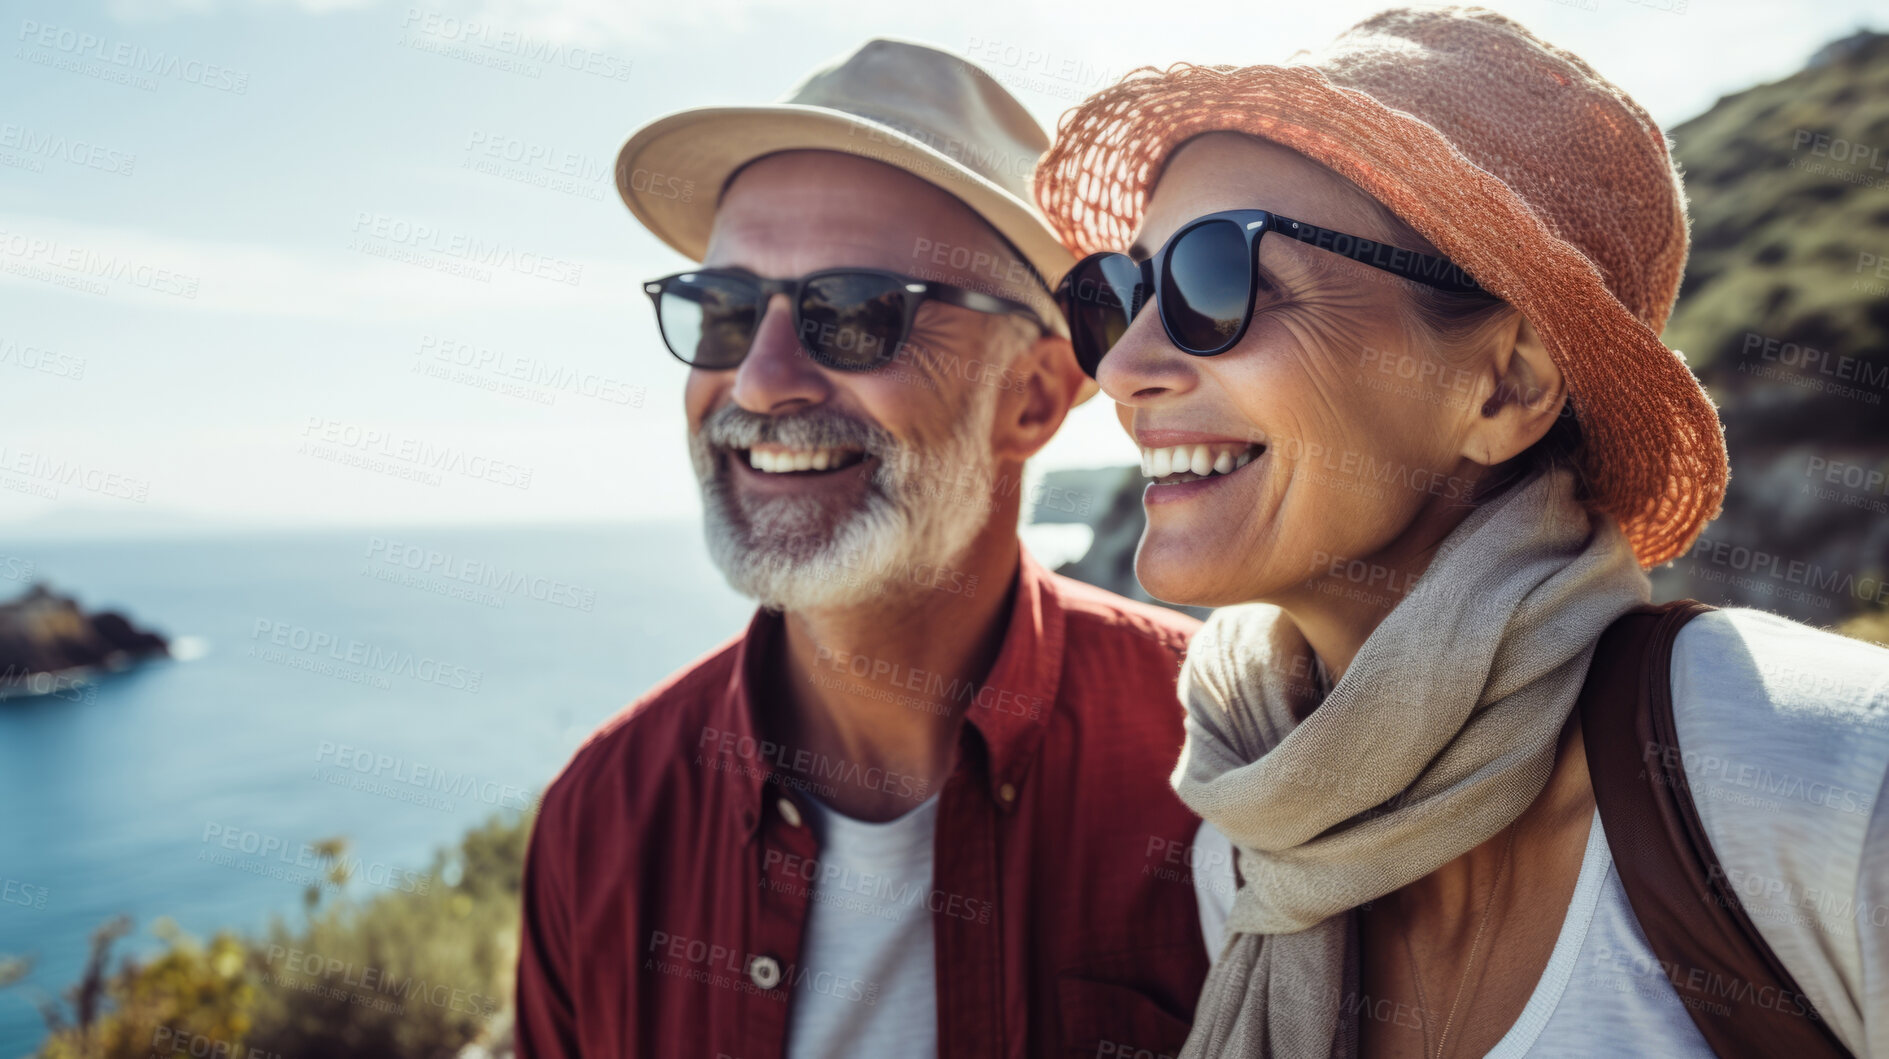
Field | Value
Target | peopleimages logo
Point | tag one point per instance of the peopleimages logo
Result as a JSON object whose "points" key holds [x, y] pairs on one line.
{"points": [[125, 62], [535, 379], [300, 862], [469, 251], [510, 43], [358, 980], [85, 263], [461, 569], [36, 358], [1838, 366], [26, 895], [166, 1041], [871, 893], [1710, 767], [730, 967], [811, 763], [1036, 69], [65, 149], [1870, 588], [415, 454], [531, 155], [537, 165], [1838, 149], [49, 472], [370, 658], [386, 769]]}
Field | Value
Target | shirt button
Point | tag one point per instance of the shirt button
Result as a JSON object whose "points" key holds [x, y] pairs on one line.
{"points": [[765, 972], [789, 812], [1008, 793]]}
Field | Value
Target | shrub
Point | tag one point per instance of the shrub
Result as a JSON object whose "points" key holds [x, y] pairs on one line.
{"points": [[415, 974]]}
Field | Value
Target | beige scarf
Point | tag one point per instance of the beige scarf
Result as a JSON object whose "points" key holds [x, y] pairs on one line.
{"points": [[1440, 734]]}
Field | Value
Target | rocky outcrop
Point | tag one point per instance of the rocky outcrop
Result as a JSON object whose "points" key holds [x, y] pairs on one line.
{"points": [[48, 640]]}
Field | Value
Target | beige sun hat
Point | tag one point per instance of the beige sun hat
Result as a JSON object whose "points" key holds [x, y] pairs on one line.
{"points": [[930, 113]]}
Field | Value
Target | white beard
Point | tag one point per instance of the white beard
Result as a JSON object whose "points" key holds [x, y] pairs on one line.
{"points": [[779, 553]]}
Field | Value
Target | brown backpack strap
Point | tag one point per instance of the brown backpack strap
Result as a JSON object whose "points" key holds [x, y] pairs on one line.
{"points": [[1735, 988]]}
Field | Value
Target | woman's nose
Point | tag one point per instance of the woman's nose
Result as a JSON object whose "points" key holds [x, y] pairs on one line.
{"points": [[1144, 366]]}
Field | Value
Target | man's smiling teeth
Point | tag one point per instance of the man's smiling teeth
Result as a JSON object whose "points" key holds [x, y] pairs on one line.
{"points": [[787, 461], [1197, 461]]}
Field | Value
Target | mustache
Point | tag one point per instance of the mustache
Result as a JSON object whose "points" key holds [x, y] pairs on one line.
{"points": [[734, 427]]}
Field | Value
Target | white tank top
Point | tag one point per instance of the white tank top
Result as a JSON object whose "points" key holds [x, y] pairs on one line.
{"points": [[1603, 991], [1602, 994]]}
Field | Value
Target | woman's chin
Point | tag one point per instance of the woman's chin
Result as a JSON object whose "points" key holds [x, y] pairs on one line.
{"points": [[1184, 571]]}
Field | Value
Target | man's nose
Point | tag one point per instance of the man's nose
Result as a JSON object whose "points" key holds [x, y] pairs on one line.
{"points": [[777, 376]]}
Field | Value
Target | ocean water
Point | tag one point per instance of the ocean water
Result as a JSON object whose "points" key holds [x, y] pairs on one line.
{"points": [[473, 661]]}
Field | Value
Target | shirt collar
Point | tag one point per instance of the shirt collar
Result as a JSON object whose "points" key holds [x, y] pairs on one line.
{"points": [[1010, 709]]}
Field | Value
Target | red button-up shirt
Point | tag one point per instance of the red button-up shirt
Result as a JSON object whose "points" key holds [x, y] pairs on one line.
{"points": [[663, 912]]}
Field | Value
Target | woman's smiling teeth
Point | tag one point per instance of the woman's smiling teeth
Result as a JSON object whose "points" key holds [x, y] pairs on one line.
{"points": [[1187, 463], [778, 459]]}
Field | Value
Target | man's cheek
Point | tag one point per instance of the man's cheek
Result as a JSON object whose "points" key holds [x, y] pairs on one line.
{"points": [[703, 393]]}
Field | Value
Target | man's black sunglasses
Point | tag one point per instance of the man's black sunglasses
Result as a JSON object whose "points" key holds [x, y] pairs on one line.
{"points": [[1205, 281], [847, 319]]}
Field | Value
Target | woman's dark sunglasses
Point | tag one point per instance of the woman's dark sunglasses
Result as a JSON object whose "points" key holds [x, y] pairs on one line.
{"points": [[1204, 281], [847, 319]]}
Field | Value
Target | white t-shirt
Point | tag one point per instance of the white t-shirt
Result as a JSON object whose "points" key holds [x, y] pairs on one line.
{"points": [[1784, 738], [867, 984]]}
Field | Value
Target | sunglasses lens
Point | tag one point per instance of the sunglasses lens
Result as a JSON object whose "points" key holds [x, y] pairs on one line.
{"points": [[708, 319], [852, 321], [1099, 299], [1205, 286]]}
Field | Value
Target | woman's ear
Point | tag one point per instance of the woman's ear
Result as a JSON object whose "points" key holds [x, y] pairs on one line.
{"points": [[1525, 396]]}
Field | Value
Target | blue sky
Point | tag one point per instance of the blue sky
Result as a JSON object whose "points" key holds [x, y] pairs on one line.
{"points": [[205, 311]]}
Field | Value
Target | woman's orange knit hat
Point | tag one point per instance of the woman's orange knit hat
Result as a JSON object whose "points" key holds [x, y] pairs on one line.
{"points": [[1515, 159]]}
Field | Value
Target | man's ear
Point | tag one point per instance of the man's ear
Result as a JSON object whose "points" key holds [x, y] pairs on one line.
{"points": [[1040, 388], [1525, 396]]}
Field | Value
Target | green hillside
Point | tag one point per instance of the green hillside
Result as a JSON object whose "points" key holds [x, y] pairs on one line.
{"points": [[1785, 315], [1789, 188]]}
